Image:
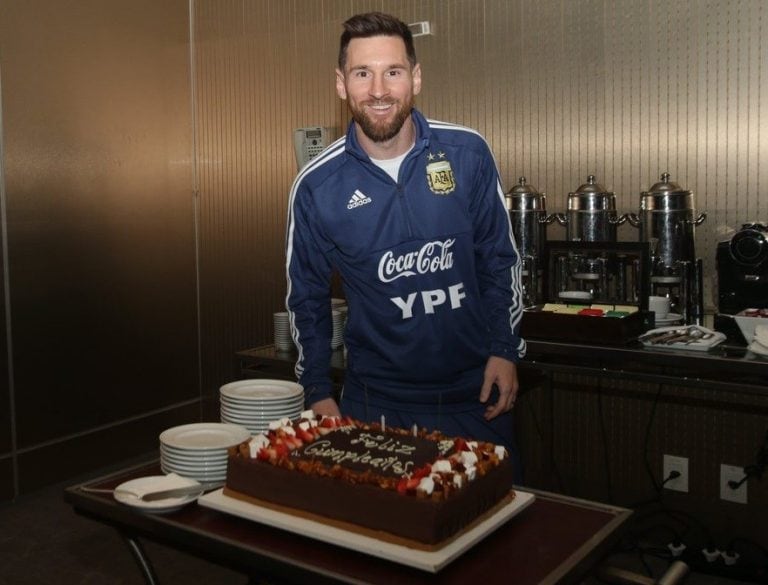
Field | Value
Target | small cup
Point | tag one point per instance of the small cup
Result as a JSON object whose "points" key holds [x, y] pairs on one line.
{"points": [[660, 306]]}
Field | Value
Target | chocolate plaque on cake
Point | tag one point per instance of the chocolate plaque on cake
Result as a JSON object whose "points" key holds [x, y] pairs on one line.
{"points": [[359, 450]]}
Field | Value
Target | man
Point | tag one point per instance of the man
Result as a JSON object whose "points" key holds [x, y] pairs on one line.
{"points": [[411, 214]]}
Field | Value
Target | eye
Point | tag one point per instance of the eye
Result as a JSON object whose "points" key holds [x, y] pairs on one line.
{"points": [[361, 74]]}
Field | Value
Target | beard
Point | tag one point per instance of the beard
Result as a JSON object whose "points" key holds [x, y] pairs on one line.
{"points": [[379, 130]]}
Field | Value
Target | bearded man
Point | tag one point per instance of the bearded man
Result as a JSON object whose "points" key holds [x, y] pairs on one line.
{"points": [[410, 212]]}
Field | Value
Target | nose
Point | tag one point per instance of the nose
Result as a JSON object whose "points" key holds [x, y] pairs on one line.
{"points": [[378, 87]]}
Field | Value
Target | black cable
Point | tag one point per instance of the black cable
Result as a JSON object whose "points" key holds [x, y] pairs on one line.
{"points": [[674, 474], [555, 468], [656, 487], [647, 440], [734, 485], [744, 541], [754, 471], [647, 567]]}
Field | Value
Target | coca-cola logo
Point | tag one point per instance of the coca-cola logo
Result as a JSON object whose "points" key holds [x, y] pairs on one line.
{"points": [[431, 257]]}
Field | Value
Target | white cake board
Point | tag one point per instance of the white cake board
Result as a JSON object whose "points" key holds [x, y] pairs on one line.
{"points": [[431, 561]]}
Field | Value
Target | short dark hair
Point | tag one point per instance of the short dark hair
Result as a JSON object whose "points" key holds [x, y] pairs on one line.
{"points": [[372, 24]]}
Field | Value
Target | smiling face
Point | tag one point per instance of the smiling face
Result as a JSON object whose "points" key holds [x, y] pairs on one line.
{"points": [[380, 85]]}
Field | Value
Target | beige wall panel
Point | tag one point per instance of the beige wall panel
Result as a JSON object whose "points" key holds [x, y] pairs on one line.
{"points": [[96, 128]]}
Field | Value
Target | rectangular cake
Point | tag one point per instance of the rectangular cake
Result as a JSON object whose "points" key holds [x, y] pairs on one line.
{"points": [[406, 484]]}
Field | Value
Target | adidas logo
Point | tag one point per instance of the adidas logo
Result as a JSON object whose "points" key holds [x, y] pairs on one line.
{"points": [[358, 199]]}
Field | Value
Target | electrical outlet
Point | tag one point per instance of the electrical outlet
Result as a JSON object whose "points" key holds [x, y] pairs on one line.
{"points": [[679, 464], [732, 473]]}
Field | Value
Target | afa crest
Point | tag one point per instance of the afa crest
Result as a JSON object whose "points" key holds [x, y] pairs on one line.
{"points": [[440, 177]]}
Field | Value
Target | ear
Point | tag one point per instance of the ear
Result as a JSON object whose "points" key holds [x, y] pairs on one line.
{"points": [[341, 90], [416, 74]]}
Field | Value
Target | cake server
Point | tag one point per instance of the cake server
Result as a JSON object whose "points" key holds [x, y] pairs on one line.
{"points": [[190, 490]]}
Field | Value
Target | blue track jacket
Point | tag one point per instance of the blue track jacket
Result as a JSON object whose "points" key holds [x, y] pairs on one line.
{"points": [[428, 264]]}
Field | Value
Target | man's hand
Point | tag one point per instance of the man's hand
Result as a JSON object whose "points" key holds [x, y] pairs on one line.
{"points": [[503, 373], [326, 407]]}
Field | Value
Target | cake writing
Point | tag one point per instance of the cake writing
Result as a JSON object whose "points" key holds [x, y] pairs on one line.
{"points": [[392, 463], [382, 443]]}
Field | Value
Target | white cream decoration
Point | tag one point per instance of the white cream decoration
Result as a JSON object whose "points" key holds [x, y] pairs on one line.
{"points": [[304, 425], [308, 414], [445, 445], [472, 445], [468, 458], [289, 430], [256, 444], [458, 480], [441, 465], [501, 452], [471, 473], [426, 485]]}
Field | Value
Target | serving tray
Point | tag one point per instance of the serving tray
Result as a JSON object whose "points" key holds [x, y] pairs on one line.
{"points": [[432, 560], [697, 345], [539, 324]]}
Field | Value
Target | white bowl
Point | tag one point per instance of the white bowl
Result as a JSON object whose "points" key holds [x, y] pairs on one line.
{"points": [[748, 324]]}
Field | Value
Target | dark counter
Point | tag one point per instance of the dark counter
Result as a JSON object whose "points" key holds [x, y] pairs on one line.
{"points": [[724, 367]]}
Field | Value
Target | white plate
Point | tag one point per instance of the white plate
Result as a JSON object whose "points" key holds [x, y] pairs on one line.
{"points": [[669, 319], [197, 436], [207, 455], [201, 463], [186, 470], [575, 295], [275, 413], [262, 390], [698, 345], [263, 404], [158, 506], [248, 421], [201, 476], [431, 561], [219, 463], [758, 348]]}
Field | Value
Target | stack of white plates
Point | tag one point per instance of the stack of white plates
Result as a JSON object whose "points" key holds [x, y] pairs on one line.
{"points": [[339, 319], [199, 450], [337, 338], [283, 340], [282, 329], [254, 404]]}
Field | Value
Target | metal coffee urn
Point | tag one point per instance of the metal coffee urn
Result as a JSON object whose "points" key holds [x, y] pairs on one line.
{"points": [[528, 214], [591, 215], [667, 220]]}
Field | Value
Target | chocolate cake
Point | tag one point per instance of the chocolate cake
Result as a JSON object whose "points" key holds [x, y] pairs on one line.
{"points": [[404, 484]]}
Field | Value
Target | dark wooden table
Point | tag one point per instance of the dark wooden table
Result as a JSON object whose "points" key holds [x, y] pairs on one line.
{"points": [[556, 539]]}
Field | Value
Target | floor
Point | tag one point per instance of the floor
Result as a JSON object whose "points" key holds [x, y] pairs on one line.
{"points": [[42, 542]]}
